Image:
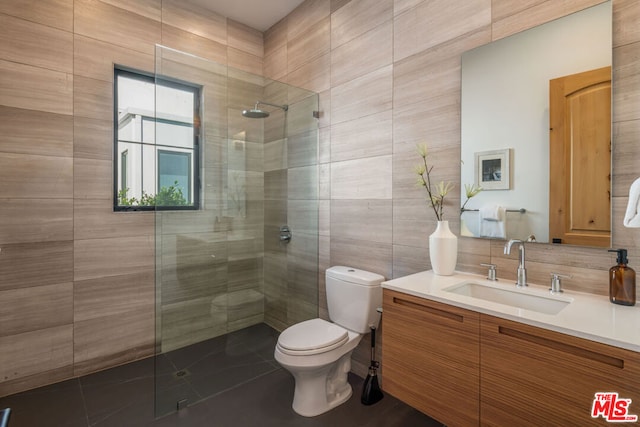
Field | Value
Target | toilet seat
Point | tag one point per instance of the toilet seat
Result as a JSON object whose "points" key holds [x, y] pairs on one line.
{"points": [[312, 337]]}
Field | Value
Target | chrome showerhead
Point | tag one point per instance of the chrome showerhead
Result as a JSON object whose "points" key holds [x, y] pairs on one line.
{"points": [[256, 113]]}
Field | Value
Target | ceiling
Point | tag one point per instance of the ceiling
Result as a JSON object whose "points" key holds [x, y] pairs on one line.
{"points": [[258, 14]]}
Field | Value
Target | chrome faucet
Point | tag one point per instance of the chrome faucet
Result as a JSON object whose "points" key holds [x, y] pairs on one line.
{"points": [[522, 271]]}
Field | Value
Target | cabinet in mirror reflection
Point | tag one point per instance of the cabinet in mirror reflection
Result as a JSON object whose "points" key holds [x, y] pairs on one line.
{"points": [[505, 105]]}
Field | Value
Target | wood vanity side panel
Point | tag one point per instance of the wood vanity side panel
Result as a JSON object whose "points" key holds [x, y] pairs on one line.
{"points": [[533, 377], [431, 357]]}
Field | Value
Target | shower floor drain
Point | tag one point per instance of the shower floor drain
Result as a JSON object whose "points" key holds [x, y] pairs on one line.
{"points": [[181, 373]]}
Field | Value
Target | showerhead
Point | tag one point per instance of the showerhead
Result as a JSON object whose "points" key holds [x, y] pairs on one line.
{"points": [[256, 113]]}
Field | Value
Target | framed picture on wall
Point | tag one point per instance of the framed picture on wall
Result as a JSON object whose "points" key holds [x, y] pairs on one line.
{"points": [[492, 169]]}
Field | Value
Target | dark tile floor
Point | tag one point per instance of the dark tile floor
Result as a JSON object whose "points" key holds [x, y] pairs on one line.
{"points": [[228, 381]]}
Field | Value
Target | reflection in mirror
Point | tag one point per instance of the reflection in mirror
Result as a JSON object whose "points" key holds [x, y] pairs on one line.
{"points": [[505, 122]]}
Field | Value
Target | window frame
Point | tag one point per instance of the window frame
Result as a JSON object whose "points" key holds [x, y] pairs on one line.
{"points": [[195, 172]]}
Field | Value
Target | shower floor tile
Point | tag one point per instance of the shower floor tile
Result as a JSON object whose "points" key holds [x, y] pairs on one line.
{"points": [[233, 379]]}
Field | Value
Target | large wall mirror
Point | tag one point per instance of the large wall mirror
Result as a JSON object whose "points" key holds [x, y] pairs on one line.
{"points": [[536, 133]]}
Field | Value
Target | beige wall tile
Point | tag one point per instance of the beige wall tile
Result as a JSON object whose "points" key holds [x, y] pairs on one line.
{"points": [[447, 168], [314, 75], [244, 61], [324, 183], [626, 83], [275, 37], [302, 183], [36, 264], [324, 219], [369, 94], [309, 13], [431, 23], [92, 98], [192, 43], [95, 219], [369, 220], [413, 222], [54, 13], [111, 296], [95, 59], [52, 137], [33, 88], [104, 341], [314, 42], [337, 4], [400, 6], [98, 258], [147, 8], [625, 11], [435, 122], [40, 307], [502, 8], [409, 260], [35, 352], [537, 14], [101, 21], [25, 176], [92, 138], [302, 149], [93, 179], [368, 136], [245, 38], [275, 64], [324, 144], [434, 73], [35, 44], [195, 19], [368, 178], [302, 216], [625, 156], [365, 255], [36, 220], [358, 17], [374, 50]]}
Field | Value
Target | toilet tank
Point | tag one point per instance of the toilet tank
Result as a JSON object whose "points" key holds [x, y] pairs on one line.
{"points": [[353, 297]]}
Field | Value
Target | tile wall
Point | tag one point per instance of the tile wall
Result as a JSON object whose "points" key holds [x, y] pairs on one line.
{"points": [[388, 72], [76, 279]]}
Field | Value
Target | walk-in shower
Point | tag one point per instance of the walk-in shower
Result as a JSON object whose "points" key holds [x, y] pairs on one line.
{"points": [[256, 113], [222, 269]]}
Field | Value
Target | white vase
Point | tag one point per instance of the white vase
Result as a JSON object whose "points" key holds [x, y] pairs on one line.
{"points": [[443, 250]]}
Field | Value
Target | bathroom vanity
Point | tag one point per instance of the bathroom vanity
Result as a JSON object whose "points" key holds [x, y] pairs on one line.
{"points": [[453, 352]]}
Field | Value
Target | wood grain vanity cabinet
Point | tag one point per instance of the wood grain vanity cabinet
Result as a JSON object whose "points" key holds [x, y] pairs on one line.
{"points": [[533, 377], [465, 368], [430, 356]]}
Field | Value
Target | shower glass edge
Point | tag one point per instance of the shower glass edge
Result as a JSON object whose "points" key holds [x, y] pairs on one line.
{"points": [[221, 268]]}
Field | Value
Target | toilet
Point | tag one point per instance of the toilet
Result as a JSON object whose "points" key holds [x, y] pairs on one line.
{"points": [[318, 352]]}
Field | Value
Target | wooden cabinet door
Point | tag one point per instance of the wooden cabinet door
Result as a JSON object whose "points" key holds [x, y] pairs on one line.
{"points": [[580, 158], [535, 377], [430, 357]]}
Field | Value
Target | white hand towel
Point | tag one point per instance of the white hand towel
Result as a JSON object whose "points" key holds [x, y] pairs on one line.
{"points": [[632, 216], [493, 221]]}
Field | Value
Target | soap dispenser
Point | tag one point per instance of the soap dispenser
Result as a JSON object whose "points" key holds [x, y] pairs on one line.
{"points": [[622, 280]]}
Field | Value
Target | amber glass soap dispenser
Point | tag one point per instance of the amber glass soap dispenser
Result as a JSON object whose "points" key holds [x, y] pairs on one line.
{"points": [[622, 280]]}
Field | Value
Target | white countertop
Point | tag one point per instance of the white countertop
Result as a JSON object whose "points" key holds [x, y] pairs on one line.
{"points": [[587, 316]]}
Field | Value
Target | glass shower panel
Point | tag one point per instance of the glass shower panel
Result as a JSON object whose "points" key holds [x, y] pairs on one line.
{"points": [[221, 270]]}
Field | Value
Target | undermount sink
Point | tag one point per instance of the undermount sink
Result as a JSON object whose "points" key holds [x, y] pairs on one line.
{"points": [[513, 298]]}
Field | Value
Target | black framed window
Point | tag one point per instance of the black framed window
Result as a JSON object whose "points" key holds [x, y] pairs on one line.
{"points": [[157, 152]]}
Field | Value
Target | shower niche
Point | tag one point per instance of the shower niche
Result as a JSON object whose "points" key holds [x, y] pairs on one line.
{"points": [[222, 269]]}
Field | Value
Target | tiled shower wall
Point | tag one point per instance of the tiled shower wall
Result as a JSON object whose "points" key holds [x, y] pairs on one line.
{"points": [[388, 72], [76, 279]]}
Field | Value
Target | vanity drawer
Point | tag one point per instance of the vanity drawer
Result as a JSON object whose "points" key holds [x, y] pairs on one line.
{"points": [[430, 357]]}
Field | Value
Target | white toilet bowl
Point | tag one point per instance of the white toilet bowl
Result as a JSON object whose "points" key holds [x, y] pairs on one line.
{"points": [[318, 352], [320, 370]]}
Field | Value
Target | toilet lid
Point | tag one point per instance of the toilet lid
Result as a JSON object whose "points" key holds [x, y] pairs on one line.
{"points": [[312, 337]]}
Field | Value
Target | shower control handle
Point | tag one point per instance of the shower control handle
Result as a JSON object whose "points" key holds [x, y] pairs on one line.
{"points": [[285, 234]]}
